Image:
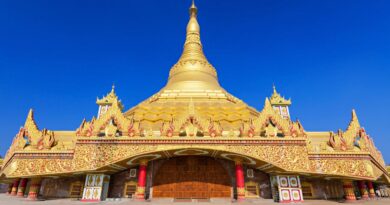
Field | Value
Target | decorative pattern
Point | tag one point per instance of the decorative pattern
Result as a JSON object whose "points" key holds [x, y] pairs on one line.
{"points": [[353, 138], [343, 167], [35, 186], [30, 167], [349, 190], [189, 121], [94, 186], [92, 156], [289, 189], [277, 99]]}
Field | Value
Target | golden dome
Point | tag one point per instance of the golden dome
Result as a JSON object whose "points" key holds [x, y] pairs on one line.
{"points": [[193, 71], [192, 81]]}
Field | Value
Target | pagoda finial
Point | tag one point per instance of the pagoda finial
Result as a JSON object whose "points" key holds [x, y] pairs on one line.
{"points": [[274, 87], [267, 104], [109, 99], [193, 9], [113, 87], [30, 114], [193, 28], [354, 117], [30, 122], [277, 99]]}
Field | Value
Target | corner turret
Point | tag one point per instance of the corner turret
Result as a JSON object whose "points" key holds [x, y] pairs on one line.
{"points": [[107, 101], [280, 104]]}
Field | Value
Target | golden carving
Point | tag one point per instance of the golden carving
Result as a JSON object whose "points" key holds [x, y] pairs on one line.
{"points": [[277, 99], [354, 139], [270, 122], [344, 167], [29, 167], [104, 154], [48, 138], [30, 137], [192, 104], [337, 141], [114, 113], [110, 99]]}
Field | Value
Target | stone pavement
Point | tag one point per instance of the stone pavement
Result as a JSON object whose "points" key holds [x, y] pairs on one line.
{"points": [[11, 200]]}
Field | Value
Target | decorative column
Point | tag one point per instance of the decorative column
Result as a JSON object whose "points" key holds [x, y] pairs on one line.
{"points": [[363, 190], [10, 188], [371, 191], [35, 186], [348, 190], [240, 180], [141, 180], [15, 185], [22, 187]]}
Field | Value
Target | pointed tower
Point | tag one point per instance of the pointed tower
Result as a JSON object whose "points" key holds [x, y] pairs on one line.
{"points": [[192, 81], [193, 71], [280, 104], [107, 101]]}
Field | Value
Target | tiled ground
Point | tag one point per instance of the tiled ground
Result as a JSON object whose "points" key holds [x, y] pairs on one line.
{"points": [[10, 200]]}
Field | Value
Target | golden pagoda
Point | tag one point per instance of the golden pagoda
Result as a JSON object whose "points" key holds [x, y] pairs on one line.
{"points": [[193, 140]]}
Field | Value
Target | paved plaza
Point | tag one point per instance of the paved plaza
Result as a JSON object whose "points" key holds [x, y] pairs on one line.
{"points": [[11, 200]]}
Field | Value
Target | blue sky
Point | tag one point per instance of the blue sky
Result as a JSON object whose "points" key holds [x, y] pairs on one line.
{"points": [[328, 56]]}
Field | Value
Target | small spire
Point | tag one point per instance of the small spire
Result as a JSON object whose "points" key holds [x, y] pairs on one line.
{"points": [[30, 114], [277, 99], [274, 87], [110, 98], [193, 25], [193, 9], [30, 122], [354, 117], [113, 87], [267, 103]]}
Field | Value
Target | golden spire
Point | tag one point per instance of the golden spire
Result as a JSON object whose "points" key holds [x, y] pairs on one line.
{"points": [[30, 124], [354, 119], [274, 87], [30, 117], [110, 98], [113, 88], [277, 99], [193, 9], [193, 71], [267, 104]]}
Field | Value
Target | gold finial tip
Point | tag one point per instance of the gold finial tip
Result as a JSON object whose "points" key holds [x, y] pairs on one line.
{"points": [[30, 112], [193, 9], [354, 113]]}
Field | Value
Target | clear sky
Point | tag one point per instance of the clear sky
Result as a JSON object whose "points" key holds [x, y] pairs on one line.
{"points": [[328, 56]]}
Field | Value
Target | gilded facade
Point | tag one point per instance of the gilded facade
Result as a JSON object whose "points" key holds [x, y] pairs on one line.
{"points": [[194, 116]]}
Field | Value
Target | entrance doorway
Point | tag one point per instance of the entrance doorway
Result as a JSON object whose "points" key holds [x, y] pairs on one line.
{"points": [[192, 177]]}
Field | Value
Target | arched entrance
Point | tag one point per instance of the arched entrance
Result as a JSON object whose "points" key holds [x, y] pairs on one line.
{"points": [[192, 177]]}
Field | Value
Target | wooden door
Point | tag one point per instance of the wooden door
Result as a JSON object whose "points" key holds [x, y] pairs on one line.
{"points": [[192, 177]]}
